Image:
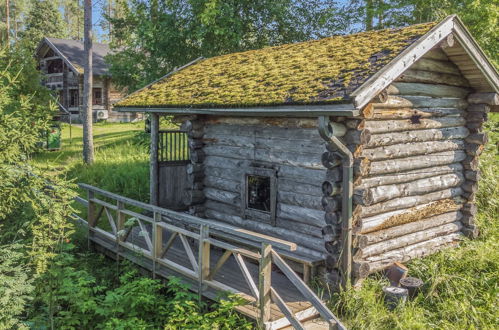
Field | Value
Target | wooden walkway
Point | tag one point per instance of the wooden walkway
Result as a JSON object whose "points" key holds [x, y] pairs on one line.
{"points": [[202, 253]]}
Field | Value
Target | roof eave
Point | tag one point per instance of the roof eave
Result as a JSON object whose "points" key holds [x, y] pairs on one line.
{"points": [[344, 109], [384, 77], [452, 24]]}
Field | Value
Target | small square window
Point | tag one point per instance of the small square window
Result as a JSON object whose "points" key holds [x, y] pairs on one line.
{"points": [[259, 194]]}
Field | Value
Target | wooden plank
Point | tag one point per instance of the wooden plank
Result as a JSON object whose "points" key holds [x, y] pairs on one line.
{"points": [[111, 221], [168, 244], [189, 252], [178, 230], [246, 274], [203, 257], [285, 310], [221, 261], [265, 282]]}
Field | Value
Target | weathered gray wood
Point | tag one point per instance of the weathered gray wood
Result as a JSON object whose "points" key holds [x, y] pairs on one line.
{"points": [[363, 241], [416, 162], [473, 149], [305, 245], [478, 108], [417, 250], [222, 196], [357, 137], [192, 197], [302, 200], [408, 113], [419, 89], [427, 64], [418, 187], [331, 188], [394, 102], [172, 182], [436, 134], [264, 282], [370, 182], [302, 188], [222, 184], [331, 159], [405, 202], [301, 214], [330, 204], [385, 126], [411, 149], [478, 138], [484, 98], [409, 239], [471, 163], [472, 175], [436, 54], [429, 77]]}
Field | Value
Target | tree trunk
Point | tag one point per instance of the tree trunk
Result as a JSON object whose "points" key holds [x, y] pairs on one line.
{"points": [[7, 22], [88, 143]]}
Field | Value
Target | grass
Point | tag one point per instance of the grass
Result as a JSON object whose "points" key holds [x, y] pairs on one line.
{"points": [[461, 285]]}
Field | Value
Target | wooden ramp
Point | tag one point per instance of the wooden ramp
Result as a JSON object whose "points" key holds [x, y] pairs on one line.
{"points": [[196, 250]]}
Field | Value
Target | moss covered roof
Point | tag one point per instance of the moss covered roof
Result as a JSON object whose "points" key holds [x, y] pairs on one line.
{"points": [[312, 72]]}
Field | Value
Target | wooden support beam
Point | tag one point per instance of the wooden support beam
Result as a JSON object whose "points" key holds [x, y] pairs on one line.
{"points": [[154, 172], [203, 258], [264, 282]]}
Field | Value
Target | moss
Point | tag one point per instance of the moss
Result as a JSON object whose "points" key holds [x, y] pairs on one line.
{"points": [[318, 71]]}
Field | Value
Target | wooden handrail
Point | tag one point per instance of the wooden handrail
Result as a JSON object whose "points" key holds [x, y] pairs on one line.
{"points": [[243, 233], [261, 293]]}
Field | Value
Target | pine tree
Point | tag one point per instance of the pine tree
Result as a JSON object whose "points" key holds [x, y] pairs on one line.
{"points": [[43, 20]]}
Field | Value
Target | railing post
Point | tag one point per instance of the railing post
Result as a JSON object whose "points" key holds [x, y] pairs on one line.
{"points": [[265, 282], [157, 241], [120, 226], [203, 258], [90, 216]]}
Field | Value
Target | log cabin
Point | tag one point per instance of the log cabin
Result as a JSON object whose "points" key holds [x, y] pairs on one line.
{"points": [[361, 147], [61, 63], [347, 154]]}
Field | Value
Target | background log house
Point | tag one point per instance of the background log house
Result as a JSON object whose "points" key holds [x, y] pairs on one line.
{"points": [[361, 150]]}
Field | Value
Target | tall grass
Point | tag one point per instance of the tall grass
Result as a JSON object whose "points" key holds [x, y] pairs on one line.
{"points": [[461, 284]]}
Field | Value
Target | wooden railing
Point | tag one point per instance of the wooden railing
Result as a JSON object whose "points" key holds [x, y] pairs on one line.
{"points": [[172, 147], [117, 211]]}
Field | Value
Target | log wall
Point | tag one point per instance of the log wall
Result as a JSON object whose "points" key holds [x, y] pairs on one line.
{"points": [[293, 148], [415, 191]]}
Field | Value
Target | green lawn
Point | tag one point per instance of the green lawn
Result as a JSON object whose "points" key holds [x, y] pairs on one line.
{"points": [[461, 285]]}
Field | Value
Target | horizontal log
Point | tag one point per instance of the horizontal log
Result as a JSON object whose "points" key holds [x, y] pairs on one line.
{"points": [[363, 241], [471, 232], [222, 184], [478, 138], [473, 149], [197, 156], [484, 98], [405, 203], [418, 250], [302, 188], [302, 200], [357, 137], [429, 77], [394, 102], [195, 134], [263, 132], [330, 204], [409, 239], [436, 54], [433, 90], [476, 116], [471, 163], [189, 125], [472, 175], [332, 218], [408, 113], [331, 188], [408, 176], [331, 159], [478, 108], [301, 214], [306, 245], [426, 64], [416, 162], [436, 134], [385, 126], [470, 186], [411, 149], [418, 187], [400, 217], [192, 197], [222, 196]]}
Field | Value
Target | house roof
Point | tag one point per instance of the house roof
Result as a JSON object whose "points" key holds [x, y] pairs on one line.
{"points": [[346, 70], [73, 52]]}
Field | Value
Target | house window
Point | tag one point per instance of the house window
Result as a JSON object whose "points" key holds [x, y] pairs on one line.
{"points": [[73, 98], [259, 194], [97, 96]]}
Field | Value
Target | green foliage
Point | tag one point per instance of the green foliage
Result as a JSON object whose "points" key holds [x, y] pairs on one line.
{"points": [[43, 20], [153, 37]]}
